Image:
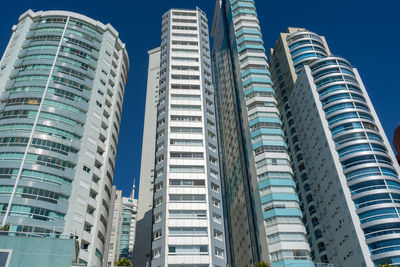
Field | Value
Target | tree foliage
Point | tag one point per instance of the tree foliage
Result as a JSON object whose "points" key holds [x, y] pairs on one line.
{"points": [[261, 264], [5, 227], [123, 262]]}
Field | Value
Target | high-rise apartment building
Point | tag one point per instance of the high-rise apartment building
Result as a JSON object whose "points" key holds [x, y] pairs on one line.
{"points": [[145, 200], [188, 227], [113, 254], [284, 74], [62, 81], [344, 166], [128, 229], [263, 217], [122, 238]]}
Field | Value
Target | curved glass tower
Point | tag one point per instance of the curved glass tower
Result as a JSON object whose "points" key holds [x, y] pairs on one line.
{"points": [[345, 172], [62, 81], [305, 46], [371, 177]]}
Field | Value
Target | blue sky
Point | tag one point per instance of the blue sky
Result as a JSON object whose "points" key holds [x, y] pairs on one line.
{"points": [[364, 32]]}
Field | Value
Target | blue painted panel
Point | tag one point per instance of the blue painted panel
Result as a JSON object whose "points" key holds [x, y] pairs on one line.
{"points": [[279, 196], [248, 31], [251, 47], [264, 119], [259, 80], [38, 251], [277, 182], [241, 4], [282, 212], [256, 71], [297, 263]]}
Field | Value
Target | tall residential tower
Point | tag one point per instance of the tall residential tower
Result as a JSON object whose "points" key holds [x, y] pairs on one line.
{"points": [[142, 249], [188, 227], [263, 217], [287, 59], [345, 169], [122, 238], [62, 81]]}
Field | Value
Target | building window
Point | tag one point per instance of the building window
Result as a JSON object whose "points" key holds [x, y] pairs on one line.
{"points": [[159, 172], [217, 218], [212, 160], [160, 159], [219, 252], [187, 231], [158, 187], [157, 235], [98, 254], [186, 168], [217, 234], [5, 257], [215, 187], [86, 168], [187, 198], [216, 202], [197, 183], [213, 173], [157, 218], [156, 253], [182, 214], [188, 250], [158, 202]]}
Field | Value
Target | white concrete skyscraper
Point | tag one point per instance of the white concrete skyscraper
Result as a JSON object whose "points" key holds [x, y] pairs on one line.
{"points": [[188, 225], [142, 249], [62, 82]]}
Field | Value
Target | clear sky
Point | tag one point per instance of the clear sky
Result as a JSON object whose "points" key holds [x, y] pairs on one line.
{"points": [[367, 33]]}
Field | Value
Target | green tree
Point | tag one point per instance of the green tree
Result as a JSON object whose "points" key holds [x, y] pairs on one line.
{"points": [[261, 264], [123, 262], [5, 227]]}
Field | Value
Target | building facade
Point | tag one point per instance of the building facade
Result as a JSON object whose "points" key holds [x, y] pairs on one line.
{"points": [[188, 227], [264, 221], [122, 239], [345, 168], [62, 81], [290, 48], [113, 254], [38, 250], [396, 143], [145, 200], [128, 229]]}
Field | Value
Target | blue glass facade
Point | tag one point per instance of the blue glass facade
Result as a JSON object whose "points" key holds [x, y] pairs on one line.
{"points": [[44, 105], [280, 234], [62, 81], [367, 165], [343, 135]]}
